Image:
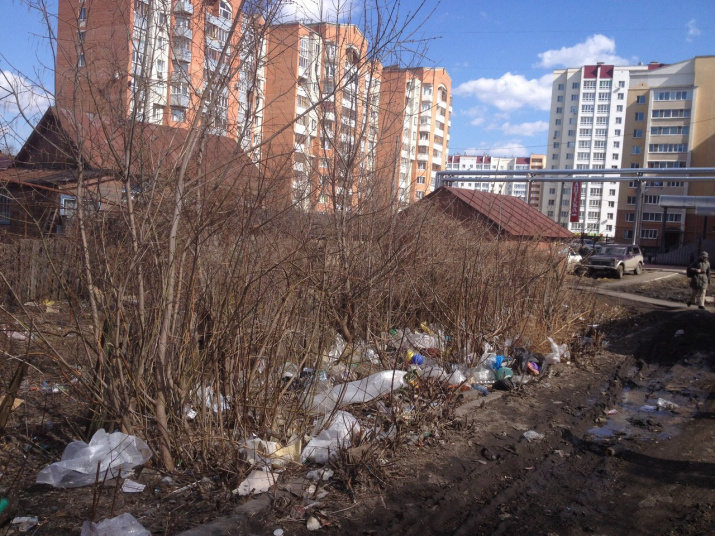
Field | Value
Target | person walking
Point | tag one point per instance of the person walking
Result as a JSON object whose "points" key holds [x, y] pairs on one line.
{"points": [[699, 273]]}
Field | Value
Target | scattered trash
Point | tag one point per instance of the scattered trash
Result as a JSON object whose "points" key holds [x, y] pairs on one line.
{"points": [[17, 402], [123, 525], [481, 388], [531, 435], [532, 368], [313, 524], [557, 352], [112, 454], [662, 403], [129, 486], [212, 401], [256, 483], [320, 474], [337, 435], [358, 392], [611, 412], [679, 333], [24, 523], [278, 532], [504, 385]]}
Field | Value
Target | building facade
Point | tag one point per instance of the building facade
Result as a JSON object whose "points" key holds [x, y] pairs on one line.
{"points": [[163, 62], [415, 123], [586, 131], [523, 190], [669, 125]]}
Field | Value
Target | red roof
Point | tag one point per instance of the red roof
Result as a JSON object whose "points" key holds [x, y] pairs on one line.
{"points": [[512, 215]]}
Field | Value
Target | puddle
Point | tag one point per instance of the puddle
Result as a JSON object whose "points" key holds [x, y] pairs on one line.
{"points": [[639, 417]]}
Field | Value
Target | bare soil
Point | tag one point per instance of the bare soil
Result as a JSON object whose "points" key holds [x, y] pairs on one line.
{"points": [[606, 463]]}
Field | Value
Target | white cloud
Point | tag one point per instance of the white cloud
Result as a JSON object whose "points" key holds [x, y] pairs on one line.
{"points": [[510, 91], [524, 129], [316, 10], [513, 147], [18, 94], [594, 49], [693, 30]]}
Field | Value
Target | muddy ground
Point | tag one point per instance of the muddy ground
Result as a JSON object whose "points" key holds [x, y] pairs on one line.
{"points": [[610, 460]]}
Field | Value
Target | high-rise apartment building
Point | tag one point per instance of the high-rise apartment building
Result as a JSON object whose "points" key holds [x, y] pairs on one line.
{"points": [[415, 121], [163, 62], [586, 132], [669, 124], [521, 189], [321, 120]]}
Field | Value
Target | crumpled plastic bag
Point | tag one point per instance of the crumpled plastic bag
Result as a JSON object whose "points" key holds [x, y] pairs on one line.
{"points": [[337, 435], [123, 525], [116, 455], [357, 392], [557, 353], [265, 453], [256, 482]]}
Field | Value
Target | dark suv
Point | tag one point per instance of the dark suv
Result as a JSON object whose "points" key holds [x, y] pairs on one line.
{"points": [[615, 259]]}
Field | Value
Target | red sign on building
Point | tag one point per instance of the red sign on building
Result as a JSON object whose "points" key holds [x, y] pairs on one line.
{"points": [[575, 202]]}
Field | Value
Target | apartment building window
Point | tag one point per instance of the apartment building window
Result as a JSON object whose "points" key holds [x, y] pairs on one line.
{"points": [[666, 131], [584, 144], [638, 133], [551, 202], [619, 107], [564, 213], [599, 144], [582, 156], [80, 60], [571, 133], [603, 108], [612, 192], [649, 234], [178, 115], [593, 215], [668, 164], [617, 132], [552, 191], [574, 109], [639, 116], [611, 204], [667, 114], [557, 122], [594, 203], [574, 97], [621, 83], [589, 97], [225, 11], [675, 184], [603, 97], [599, 156], [304, 54], [569, 156], [609, 216], [572, 120], [616, 144], [550, 213], [554, 156], [561, 87], [636, 149], [570, 145], [420, 179], [565, 202], [620, 96], [671, 95], [619, 120], [586, 120], [584, 132], [574, 85], [557, 133], [82, 17], [640, 99], [651, 199], [419, 195], [635, 165], [601, 132], [587, 108], [602, 120], [653, 216], [668, 148], [556, 145], [596, 191]]}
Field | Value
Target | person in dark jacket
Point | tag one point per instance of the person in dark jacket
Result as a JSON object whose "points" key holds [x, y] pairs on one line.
{"points": [[699, 272]]}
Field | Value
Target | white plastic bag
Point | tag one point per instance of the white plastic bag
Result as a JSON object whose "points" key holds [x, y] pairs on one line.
{"points": [[115, 454], [337, 435], [123, 525], [257, 482], [557, 352], [368, 388]]}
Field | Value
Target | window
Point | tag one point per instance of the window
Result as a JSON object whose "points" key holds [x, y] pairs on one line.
{"points": [[560, 98], [622, 83], [611, 204], [551, 202], [617, 132], [557, 133], [574, 97], [572, 120], [668, 148], [639, 116], [631, 200], [552, 191], [593, 215], [599, 144], [667, 164], [556, 145], [589, 84], [675, 184], [603, 97], [550, 213], [619, 107], [604, 84], [616, 144], [565, 202], [572, 133], [158, 112], [652, 216], [82, 14], [603, 108], [665, 131], [619, 120], [569, 156], [421, 179], [638, 133], [596, 191], [178, 115], [640, 99], [557, 122], [582, 155], [612, 192], [559, 110], [587, 108], [609, 215], [651, 199], [564, 213], [574, 109], [620, 96], [225, 11], [594, 202], [586, 120], [671, 95], [554, 156], [636, 149], [80, 59], [589, 97], [584, 144], [561, 87], [615, 156], [649, 234], [584, 132], [602, 120], [667, 114]]}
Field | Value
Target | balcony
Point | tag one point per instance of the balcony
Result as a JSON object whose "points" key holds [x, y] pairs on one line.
{"points": [[183, 32], [180, 101], [422, 157], [184, 7], [182, 55]]}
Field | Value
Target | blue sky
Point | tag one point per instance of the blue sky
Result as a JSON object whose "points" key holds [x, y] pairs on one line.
{"points": [[500, 55]]}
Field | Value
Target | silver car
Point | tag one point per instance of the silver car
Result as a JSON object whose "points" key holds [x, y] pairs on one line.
{"points": [[616, 259]]}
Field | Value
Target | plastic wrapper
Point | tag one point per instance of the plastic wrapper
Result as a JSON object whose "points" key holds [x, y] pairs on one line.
{"points": [[558, 352], [115, 454], [123, 525], [337, 435], [256, 482]]}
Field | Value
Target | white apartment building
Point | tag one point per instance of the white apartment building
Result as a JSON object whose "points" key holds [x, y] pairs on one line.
{"points": [[464, 162], [586, 131]]}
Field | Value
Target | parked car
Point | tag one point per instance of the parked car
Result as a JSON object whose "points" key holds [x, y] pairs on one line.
{"points": [[616, 259]]}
